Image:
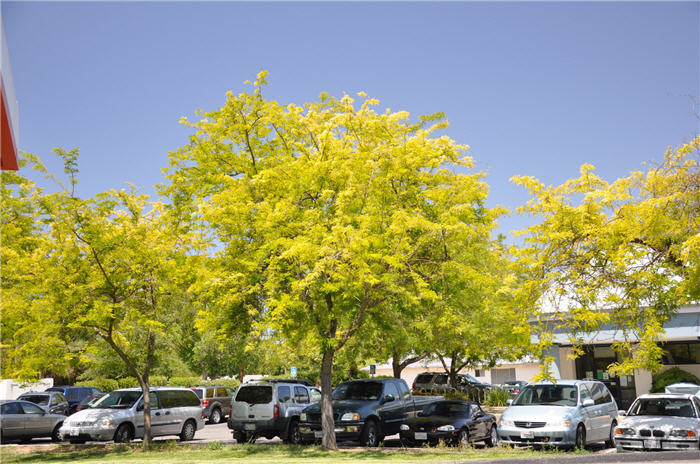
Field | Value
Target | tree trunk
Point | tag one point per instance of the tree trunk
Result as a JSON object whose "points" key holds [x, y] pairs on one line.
{"points": [[147, 435], [396, 365], [204, 370], [327, 423], [241, 372]]}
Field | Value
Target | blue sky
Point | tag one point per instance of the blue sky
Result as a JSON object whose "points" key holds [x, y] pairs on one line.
{"points": [[534, 88]]}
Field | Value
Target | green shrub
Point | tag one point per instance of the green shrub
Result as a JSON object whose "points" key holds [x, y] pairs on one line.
{"points": [[185, 381], [671, 376], [128, 382], [158, 380], [455, 396], [231, 383], [106, 385], [497, 397]]}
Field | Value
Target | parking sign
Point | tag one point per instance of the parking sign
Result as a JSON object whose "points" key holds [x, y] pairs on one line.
{"points": [[293, 372]]}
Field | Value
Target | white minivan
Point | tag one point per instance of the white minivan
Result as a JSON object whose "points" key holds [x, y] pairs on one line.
{"points": [[118, 416]]}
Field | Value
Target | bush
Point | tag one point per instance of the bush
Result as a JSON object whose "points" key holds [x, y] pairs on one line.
{"points": [[497, 397], [455, 395], [128, 382], [185, 381], [106, 385], [671, 376], [158, 380], [231, 383]]}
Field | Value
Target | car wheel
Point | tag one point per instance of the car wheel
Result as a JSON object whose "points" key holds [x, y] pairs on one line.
{"points": [[407, 442], [215, 416], [463, 438], [370, 435], [580, 442], [294, 434], [188, 430], [124, 434], [492, 440], [610, 442], [56, 434]]}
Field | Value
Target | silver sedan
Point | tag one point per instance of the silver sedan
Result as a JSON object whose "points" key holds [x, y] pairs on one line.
{"points": [[22, 420], [660, 421]]}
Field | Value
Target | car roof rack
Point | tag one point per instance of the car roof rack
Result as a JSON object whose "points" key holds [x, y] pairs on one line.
{"points": [[297, 381]]}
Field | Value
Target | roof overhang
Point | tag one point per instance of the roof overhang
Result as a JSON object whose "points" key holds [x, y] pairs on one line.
{"points": [[9, 117]]}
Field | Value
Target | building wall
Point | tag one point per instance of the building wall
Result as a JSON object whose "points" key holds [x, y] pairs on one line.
{"points": [[11, 389]]}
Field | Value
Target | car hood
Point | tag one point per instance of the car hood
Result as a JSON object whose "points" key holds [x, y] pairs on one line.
{"points": [[93, 415], [537, 413], [660, 422]]}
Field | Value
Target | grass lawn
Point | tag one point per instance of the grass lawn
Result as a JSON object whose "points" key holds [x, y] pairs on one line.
{"points": [[171, 452]]}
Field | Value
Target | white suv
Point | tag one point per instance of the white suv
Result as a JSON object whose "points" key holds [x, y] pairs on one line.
{"points": [[270, 408]]}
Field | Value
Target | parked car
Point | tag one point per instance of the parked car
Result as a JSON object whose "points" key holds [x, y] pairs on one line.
{"points": [[366, 410], [660, 421], [50, 401], [570, 413], [513, 386], [216, 401], [683, 387], [453, 422], [74, 395], [118, 416], [89, 401], [22, 420], [270, 409]]}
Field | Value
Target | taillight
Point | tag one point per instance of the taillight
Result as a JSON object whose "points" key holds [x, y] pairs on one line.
{"points": [[276, 411], [203, 414], [205, 403]]}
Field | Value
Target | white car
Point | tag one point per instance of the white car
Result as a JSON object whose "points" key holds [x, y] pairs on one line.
{"points": [[660, 421]]}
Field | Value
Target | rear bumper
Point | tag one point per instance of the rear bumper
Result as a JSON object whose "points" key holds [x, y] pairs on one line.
{"points": [[277, 426]]}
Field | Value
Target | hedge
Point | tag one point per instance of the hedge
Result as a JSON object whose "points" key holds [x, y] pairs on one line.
{"points": [[108, 385], [671, 376]]}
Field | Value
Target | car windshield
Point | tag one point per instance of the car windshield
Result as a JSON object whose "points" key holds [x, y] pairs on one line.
{"points": [[662, 407], [36, 399], [555, 395], [446, 409], [358, 391], [118, 400], [90, 399], [471, 379]]}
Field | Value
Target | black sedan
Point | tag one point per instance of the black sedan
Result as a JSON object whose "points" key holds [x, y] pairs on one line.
{"points": [[452, 422]]}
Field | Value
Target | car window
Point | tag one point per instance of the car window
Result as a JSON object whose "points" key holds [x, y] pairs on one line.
{"points": [[362, 391], [221, 392], [30, 408], [155, 404], [210, 393], [36, 399], [315, 395], [10, 408], [301, 395], [54, 400], [254, 394], [584, 392], [424, 378], [607, 398], [118, 399], [696, 401], [198, 392], [446, 408], [441, 379], [284, 394], [403, 389], [390, 389], [678, 407]]}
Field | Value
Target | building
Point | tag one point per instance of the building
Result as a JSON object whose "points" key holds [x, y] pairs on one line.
{"points": [[682, 346], [9, 110]]}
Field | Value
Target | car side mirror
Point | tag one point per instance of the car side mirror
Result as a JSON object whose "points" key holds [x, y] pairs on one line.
{"points": [[509, 402], [139, 407], [478, 415], [587, 403], [388, 398], [621, 412]]}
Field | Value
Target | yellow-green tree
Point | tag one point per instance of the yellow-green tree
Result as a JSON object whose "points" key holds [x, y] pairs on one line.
{"points": [[325, 212], [622, 254]]}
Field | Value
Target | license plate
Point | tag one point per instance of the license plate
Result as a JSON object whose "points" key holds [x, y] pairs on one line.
{"points": [[74, 432], [421, 435], [249, 426], [652, 444], [318, 434], [527, 434]]}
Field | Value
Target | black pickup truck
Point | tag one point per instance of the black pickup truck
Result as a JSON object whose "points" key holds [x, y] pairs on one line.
{"points": [[366, 411]]}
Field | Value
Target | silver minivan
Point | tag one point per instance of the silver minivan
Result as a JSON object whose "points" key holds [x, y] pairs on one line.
{"points": [[568, 413], [118, 416], [270, 408]]}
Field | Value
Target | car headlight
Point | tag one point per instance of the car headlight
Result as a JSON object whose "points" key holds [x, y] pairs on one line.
{"points": [[350, 416], [446, 428], [682, 433], [561, 423], [624, 431], [106, 423], [405, 427], [507, 423], [302, 417]]}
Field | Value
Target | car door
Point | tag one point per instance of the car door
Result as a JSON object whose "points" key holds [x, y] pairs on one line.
{"points": [[481, 424], [157, 417], [11, 420], [587, 412], [391, 409], [600, 411], [36, 422]]}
